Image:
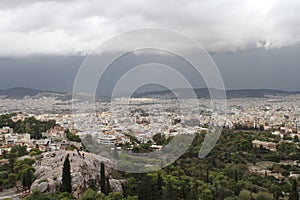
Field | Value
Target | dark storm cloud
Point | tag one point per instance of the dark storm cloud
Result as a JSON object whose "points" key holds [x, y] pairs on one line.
{"points": [[54, 73], [275, 69], [78, 26], [254, 43]]}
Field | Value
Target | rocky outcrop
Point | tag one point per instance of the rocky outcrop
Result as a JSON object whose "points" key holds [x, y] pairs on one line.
{"points": [[85, 169]]}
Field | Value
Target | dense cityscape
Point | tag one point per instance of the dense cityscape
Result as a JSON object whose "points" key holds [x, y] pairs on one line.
{"points": [[40, 133], [149, 100]]}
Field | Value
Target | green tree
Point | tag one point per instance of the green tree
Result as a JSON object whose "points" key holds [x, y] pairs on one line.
{"points": [[92, 195], [22, 164], [206, 195], [37, 195], [296, 138], [13, 178], [4, 153], [108, 189], [159, 184], [102, 179], [261, 127], [11, 159], [23, 171], [169, 191], [35, 151], [264, 196], [146, 187], [276, 190], [159, 138], [18, 150], [27, 177], [294, 194], [72, 137], [245, 195], [66, 176], [207, 175], [115, 196]]}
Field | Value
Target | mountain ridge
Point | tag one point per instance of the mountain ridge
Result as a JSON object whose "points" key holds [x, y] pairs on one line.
{"points": [[217, 93], [21, 92]]}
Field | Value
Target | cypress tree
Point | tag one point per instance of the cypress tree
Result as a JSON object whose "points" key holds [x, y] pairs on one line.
{"points": [[27, 178], [207, 175], [236, 176], [107, 187], [66, 176], [170, 193], [294, 195], [102, 178], [159, 186]]}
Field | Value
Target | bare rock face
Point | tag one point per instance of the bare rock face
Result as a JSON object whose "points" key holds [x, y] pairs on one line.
{"points": [[85, 168], [43, 186]]}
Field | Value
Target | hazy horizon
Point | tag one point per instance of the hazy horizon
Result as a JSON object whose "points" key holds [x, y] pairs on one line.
{"points": [[254, 44], [252, 69]]}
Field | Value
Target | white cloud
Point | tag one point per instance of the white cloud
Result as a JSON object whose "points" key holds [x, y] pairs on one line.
{"points": [[78, 26]]}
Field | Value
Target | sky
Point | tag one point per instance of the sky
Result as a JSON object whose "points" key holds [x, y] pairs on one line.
{"points": [[254, 43]]}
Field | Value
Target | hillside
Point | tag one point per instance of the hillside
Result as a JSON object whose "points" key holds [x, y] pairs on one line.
{"points": [[204, 93]]}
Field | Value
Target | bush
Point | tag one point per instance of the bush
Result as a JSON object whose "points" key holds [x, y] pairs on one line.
{"points": [[34, 152], [70, 136], [92, 195], [72, 148], [264, 196]]}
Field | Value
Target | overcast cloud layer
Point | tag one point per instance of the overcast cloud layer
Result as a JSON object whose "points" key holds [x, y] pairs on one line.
{"points": [[72, 27]]}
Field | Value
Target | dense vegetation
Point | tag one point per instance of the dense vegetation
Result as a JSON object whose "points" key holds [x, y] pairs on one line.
{"points": [[88, 195], [30, 125], [17, 172], [223, 174], [72, 137]]}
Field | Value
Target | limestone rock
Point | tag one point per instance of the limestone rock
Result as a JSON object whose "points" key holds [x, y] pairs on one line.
{"points": [[84, 169], [43, 186]]}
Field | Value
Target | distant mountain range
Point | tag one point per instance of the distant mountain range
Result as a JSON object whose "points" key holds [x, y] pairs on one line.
{"points": [[21, 92], [205, 93]]}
